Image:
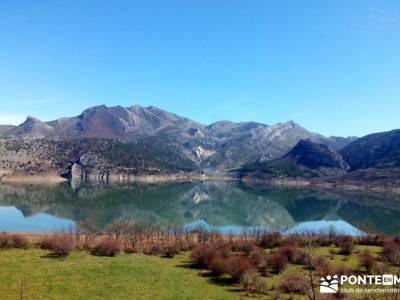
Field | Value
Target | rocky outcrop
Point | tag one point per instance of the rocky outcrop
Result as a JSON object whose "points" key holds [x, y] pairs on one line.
{"points": [[32, 128]]}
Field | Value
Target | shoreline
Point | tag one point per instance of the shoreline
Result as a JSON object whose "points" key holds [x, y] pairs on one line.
{"points": [[32, 179], [8, 177], [304, 183]]}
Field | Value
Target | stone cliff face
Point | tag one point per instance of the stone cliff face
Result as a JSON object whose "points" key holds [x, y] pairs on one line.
{"points": [[91, 158]]}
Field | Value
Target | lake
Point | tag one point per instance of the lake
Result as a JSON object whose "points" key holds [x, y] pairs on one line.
{"points": [[223, 206]]}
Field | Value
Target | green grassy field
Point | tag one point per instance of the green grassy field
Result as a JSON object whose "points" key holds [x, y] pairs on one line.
{"points": [[127, 276], [82, 276]]}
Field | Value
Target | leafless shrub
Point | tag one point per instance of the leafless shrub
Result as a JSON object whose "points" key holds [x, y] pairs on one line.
{"points": [[371, 240], [256, 257], [202, 254], [217, 266], [171, 250], [106, 247], [129, 250], [59, 245], [8, 241], [238, 265], [243, 245], [367, 261], [391, 252], [20, 241], [276, 262], [153, 249], [346, 245], [252, 283], [321, 265], [292, 254], [295, 284], [270, 240]]}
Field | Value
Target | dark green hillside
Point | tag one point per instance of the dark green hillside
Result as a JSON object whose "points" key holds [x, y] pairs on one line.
{"points": [[379, 150], [307, 159]]}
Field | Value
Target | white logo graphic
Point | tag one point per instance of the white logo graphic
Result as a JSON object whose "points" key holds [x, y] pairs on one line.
{"points": [[329, 285], [387, 280]]}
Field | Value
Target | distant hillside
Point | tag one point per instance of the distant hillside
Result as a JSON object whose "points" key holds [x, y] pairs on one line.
{"points": [[215, 148], [379, 150], [307, 159], [337, 142], [94, 158]]}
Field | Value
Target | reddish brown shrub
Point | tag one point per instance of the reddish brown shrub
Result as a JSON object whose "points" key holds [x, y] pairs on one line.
{"points": [[321, 265], [106, 247], [292, 254], [59, 245], [8, 241], [391, 252], [217, 266], [4, 241], [293, 240], [346, 244], [129, 250], [171, 250], [245, 246], [186, 245], [371, 240], [237, 265], [202, 254], [367, 261], [154, 249], [295, 284], [396, 239], [19, 241], [276, 262], [88, 242], [270, 240], [256, 256]]}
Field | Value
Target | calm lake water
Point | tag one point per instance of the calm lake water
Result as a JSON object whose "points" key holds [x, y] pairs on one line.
{"points": [[223, 206]]}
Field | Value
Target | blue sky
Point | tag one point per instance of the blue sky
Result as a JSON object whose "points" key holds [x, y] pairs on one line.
{"points": [[332, 66]]}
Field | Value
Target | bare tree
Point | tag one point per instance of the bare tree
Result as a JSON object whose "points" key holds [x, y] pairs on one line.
{"points": [[310, 250]]}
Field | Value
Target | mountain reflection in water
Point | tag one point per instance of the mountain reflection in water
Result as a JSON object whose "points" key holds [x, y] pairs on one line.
{"points": [[220, 205]]}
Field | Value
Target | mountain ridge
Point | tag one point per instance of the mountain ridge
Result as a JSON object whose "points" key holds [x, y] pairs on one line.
{"points": [[218, 147], [115, 143]]}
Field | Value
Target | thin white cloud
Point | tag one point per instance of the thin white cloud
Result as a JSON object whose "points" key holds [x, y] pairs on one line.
{"points": [[11, 119]]}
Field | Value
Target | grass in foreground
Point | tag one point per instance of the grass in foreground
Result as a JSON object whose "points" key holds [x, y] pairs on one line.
{"points": [[82, 276], [267, 266], [127, 276]]}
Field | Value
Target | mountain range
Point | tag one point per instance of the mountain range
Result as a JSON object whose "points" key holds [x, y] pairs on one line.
{"points": [[119, 142]]}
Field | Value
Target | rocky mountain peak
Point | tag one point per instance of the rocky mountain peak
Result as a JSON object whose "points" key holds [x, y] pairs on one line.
{"points": [[32, 121], [31, 128]]}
